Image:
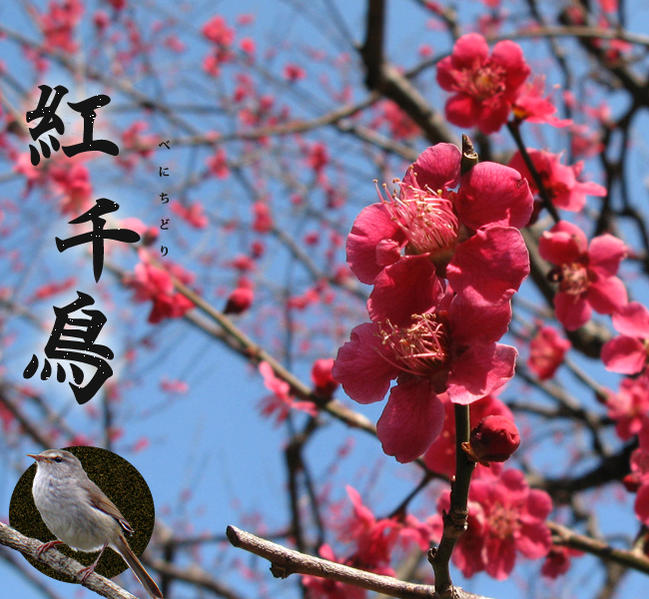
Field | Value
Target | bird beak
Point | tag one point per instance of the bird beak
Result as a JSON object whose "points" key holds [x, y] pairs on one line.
{"points": [[38, 458]]}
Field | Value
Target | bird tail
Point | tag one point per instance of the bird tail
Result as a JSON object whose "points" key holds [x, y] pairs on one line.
{"points": [[134, 564]]}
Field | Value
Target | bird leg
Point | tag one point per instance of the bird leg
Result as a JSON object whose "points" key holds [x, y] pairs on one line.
{"points": [[88, 570]]}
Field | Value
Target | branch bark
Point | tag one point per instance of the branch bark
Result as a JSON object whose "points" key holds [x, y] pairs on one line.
{"points": [[285, 562], [61, 563]]}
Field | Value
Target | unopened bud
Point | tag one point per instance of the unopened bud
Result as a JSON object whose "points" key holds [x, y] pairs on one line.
{"points": [[493, 440], [239, 301], [322, 379], [631, 482]]}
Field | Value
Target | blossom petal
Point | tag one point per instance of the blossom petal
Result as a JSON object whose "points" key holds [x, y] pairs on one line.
{"points": [[572, 311], [409, 286], [469, 50], [446, 74], [493, 194], [534, 540], [539, 504], [361, 368], [461, 110], [605, 254], [623, 354], [509, 55], [492, 114], [494, 262], [372, 226], [607, 295], [501, 556], [411, 420], [564, 242], [480, 370], [437, 167], [642, 504], [632, 320], [471, 315]]}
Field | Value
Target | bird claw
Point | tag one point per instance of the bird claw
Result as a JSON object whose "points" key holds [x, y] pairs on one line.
{"points": [[46, 546], [87, 571]]}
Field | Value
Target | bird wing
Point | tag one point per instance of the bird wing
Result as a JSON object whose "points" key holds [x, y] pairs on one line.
{"points": [[99, 501]]}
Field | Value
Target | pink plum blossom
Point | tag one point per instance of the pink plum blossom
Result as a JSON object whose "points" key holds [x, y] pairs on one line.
{"points": [[585, 273], [433, 342], [559, 180], [327, 588], [530, 105], [155, 284], [638, 479], [465, 224], [373, 541], [547, 350], [280, 403], [485, 87], [373, 538], [506, 517], [629, 407], [627, 353], [557, 561]]}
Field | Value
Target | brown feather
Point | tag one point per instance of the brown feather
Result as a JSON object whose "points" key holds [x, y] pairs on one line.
{"points": [[99, 501]]}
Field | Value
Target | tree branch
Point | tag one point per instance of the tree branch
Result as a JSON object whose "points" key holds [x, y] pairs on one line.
{"points": [[564, 536], [61, 563], [286, 561]]}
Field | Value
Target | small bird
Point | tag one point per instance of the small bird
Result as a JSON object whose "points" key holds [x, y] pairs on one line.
{"points": [[80, 515]]}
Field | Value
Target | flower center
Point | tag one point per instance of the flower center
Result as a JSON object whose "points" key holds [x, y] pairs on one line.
{"points": [[420, 348], [572, 278], [484, 82], [503, 521], [427, 220]]}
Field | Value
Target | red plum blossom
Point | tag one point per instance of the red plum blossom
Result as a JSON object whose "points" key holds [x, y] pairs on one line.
{"points": [[628, 353], [547, 350], [585, 273], [433, 342], [559, 180], [465, 224], [629, 407], [506, 517], [638, 479], [485, 87]]}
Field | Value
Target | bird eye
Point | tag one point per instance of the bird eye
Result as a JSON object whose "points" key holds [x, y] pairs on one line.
{"points": [[58, 458]]}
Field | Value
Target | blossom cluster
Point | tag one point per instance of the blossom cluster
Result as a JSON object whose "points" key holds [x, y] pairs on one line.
{"points": [[506, 517], [445, 256], [487, 87]]}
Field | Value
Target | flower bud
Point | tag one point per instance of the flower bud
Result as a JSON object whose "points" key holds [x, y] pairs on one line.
{"points": [[493, 440], [239, 301], [322, 379], [632, 482]]}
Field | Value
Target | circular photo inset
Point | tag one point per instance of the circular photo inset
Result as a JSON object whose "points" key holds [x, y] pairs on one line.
{"points": [[115, 477]]}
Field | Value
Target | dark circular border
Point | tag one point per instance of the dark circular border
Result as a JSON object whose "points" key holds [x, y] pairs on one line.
{"points": [[124, 486]]}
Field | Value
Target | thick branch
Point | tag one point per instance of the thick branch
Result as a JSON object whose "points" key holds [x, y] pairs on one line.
{"points": [[612, 468], [383, 77], [62, 564], [288, 561]]}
